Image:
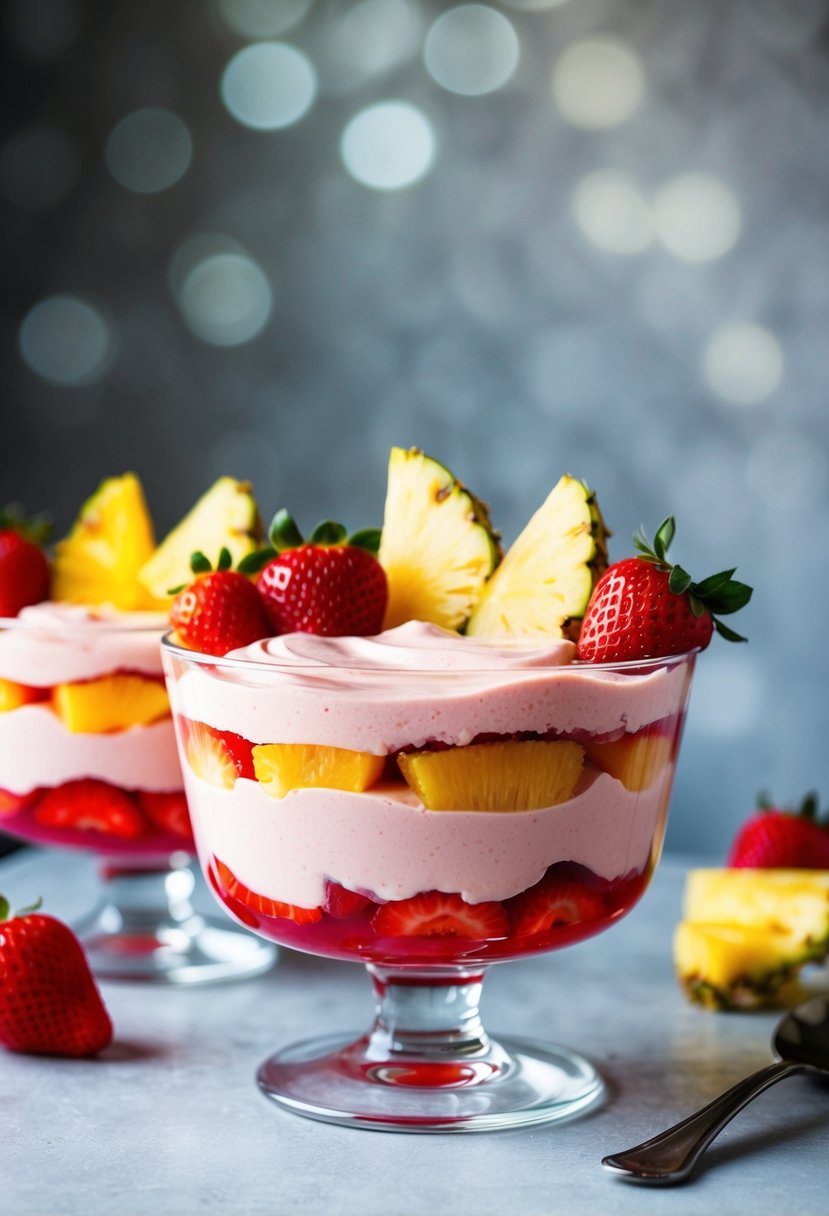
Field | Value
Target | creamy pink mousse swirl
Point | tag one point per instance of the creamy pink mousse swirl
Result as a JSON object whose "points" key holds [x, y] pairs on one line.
{"points": [[54, 643], [417, 684]]}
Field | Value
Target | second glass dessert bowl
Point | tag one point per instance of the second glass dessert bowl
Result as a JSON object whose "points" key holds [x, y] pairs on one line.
{"points": [[88, 761], [427, 805]]}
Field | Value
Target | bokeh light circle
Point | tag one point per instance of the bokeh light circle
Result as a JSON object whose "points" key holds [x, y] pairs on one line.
{"points": [[697, 217], [612, 212], [268, 86], [226, 299], [149, 150], [67, 341], [471, 50], [743, 363], [388, 146], [262, 18], [598, 83]]}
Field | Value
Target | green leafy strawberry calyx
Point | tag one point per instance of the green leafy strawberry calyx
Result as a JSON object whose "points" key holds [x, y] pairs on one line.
{"points": [[37, 529], [718, 595], [201, 564], [284, 534], [809, 809], [6, 912]]}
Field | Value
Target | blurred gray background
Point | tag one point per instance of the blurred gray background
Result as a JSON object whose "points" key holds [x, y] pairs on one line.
{"points": [[272, 238]]}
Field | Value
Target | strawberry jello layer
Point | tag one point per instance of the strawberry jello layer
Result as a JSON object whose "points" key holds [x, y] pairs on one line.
{"points": [[53, 646], [420, 687]]}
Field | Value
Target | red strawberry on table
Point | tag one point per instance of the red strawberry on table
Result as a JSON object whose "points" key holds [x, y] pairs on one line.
{"points": [[437, 914], [24, 569], [645, 607], [49, 1004], [89, 805], [331, 585], [776, 838], [218, 612], [553, 904]]}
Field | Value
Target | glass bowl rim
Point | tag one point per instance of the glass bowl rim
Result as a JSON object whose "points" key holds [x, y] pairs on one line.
{"points": [[632, 666], [87, 628]]}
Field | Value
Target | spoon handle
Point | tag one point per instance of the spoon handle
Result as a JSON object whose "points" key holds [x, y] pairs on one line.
{"points": [[672, 1155]]}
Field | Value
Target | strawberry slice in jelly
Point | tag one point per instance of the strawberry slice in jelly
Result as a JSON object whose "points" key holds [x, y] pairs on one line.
{"points": [[553, 904], [167, 811], [88, 805], [342, 903], [262, 904], [437, 914]]}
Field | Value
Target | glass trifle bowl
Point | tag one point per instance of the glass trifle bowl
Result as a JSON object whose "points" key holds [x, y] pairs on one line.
{"points": [[88, 761], [426, 804]]}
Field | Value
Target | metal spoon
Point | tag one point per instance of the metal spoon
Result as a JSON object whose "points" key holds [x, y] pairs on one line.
{"points": [[800, 1043]]}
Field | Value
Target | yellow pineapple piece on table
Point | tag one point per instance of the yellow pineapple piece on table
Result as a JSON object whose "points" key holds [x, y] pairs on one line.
{"points": [[635, 760], [514, 775], [737, 967], [282, 767], [111, 703]]}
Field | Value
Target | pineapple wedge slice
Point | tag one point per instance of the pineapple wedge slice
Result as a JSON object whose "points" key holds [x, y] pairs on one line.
{"points": [[790, 901], [110, 703], [225, 516], [638, 761], [733, 967], [516, 775], [112, 538], [542, 586], [437, 548], [14, 695], [282, 767]]}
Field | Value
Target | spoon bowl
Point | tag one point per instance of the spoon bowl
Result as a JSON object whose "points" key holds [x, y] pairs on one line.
{"points": [[800, 1043]]}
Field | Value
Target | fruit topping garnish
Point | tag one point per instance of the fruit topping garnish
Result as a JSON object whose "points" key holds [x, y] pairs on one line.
{"points": [[331, 584], [543, 585], [24, 568], [645, 607], [225, 517], [775, 837], [282, 767], [438, 546], [49, 1002], [112, 538], [513, 775], [218, 612]]}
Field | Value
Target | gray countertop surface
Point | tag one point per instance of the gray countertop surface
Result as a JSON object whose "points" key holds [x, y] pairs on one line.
{"points": [[169, 1121]]}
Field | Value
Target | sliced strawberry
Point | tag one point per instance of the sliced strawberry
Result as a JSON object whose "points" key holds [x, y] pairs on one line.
{"points": [[209, 755], [241, 751], [13, 804], [262, 903], [551, 904], [437, 914], [167, 811], [342, 903], [88, 805]]}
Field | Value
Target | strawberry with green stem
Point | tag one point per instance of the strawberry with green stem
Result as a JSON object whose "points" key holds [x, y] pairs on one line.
{"points": [[646, 607], [331, 584], [775, 838], [49, 1003], [24, 568], [220, 611]]}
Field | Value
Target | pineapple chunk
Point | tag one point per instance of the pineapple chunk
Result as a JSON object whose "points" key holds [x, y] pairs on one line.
{"points": [[509, 776], [542, 587], [225, 517], [111, 539], [111, 703], [635, 760], [438, 547], [282, 767], [737, 967], [13, 695], [787, 901]]}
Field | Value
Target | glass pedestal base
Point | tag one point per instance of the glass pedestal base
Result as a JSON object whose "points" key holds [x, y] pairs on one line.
{"points": [[146, 929], [427, 1065]]}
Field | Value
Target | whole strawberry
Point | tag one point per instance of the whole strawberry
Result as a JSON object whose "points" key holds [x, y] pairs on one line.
{"points": [[645, 607], [49, 1003], [775, 838], [218, 612], [24, 569], [331, 585]]}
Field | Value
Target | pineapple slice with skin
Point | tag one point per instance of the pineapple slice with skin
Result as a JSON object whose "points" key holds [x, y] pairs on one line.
{"points": [[112, 538], [543, 585], [225, 517], [110, 703], [636, 760], [737, 966], [438, 547], [282, 767], [513, 775]]}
